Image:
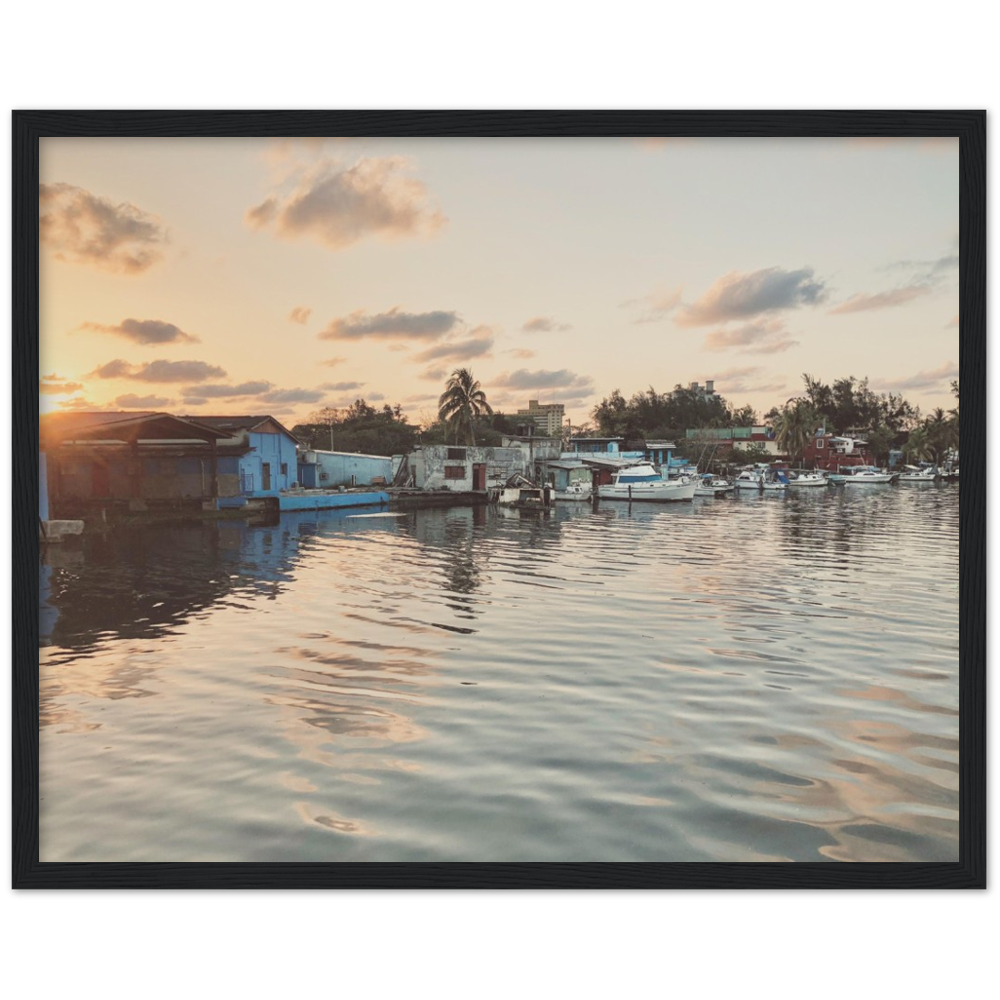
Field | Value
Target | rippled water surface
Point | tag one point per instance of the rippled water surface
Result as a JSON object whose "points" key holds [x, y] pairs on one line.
{"points": [[758, 678]]}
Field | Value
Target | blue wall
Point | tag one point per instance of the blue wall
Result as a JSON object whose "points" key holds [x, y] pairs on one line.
{"points": [[336, 468], [275, 450]]}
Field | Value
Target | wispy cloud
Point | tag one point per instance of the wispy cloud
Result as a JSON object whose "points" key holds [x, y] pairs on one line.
{"points": [[738, 296], [130, 401], [760, 337], [394, 324], [520, 352], [545, 324], [78, 403], [754, 379], [84, 228], [216, 391], [880, 300], [928, 269], [159, 371], [477, 345], [55, 385], [341, 386], [293, 396], [300, 315], [337, 204], [333, 362], [655, 307], [144, 331], [933, 379], [558, 386]]}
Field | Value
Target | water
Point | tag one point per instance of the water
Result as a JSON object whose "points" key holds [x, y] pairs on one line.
{"points": [[758, 678]]}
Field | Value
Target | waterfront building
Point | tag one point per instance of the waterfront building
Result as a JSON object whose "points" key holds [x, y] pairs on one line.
{"points": [[130, 461], [332, 469], [265, 454], [831, 452], [758, 435], [547, 417], [464, 468]]}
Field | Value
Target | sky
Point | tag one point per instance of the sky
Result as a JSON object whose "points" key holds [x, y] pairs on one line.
{"points": [[214, 276]]}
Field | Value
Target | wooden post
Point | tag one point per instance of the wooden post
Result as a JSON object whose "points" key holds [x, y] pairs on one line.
{"points": [[215, 469]]}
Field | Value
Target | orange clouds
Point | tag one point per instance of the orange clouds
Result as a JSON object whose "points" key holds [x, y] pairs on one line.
{"points": [[84, 228], [339, 205]]}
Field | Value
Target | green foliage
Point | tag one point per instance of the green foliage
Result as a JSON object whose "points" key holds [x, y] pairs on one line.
{"points": [[796, 426], [650, 415], [359, 428], [461, 405], [849, 404]]}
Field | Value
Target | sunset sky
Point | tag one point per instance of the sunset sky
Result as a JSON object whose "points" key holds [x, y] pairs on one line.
{"points": [[280, 276]]}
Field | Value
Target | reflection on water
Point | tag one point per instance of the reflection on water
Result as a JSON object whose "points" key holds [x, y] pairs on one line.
{"points": [[746, 679]]}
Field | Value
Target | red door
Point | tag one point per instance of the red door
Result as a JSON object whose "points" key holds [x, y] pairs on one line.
{"points": [[478, 476]]}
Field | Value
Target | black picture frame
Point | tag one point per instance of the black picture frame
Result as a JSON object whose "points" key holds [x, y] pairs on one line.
{"points": [[968, 126]]}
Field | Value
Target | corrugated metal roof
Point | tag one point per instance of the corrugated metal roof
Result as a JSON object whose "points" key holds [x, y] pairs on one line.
{"points": [[54, 427], [239, 423]]}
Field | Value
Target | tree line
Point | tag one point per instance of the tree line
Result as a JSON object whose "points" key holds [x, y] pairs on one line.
{"points": [[847, 406]]}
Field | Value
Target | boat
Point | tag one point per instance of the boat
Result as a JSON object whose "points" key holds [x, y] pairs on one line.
{"points": [[748, 479], [709, 486], [809, 479], [868, 475], [915, 474], [761, 479], [642, 482], [575, 491], [775, 480]]}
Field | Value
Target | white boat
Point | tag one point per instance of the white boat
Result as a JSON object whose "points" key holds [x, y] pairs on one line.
{"points": [[866, 475], [913, 474], [709, 486], [748, 479], [643, 482], [809, 479], [760, 479], [575, 491]]}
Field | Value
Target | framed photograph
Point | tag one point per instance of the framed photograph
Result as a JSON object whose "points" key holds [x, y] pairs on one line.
{"points": [[499, 499]]}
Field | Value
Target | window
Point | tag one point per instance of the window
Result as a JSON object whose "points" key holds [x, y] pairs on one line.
{"points": [[820, 442], [454, 472], [284, 468], [458, 453]]}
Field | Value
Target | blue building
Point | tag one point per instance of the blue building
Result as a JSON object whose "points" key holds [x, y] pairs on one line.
{"points": [[259, 450], [333, 469]]}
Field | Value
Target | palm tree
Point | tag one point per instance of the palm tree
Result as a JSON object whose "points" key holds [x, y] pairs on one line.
{"points": [[462, 403], [917, 446], [795, 426]]}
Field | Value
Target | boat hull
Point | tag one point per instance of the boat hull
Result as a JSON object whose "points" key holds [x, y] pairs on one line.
{"points": [[867, 480], [654, 492]]}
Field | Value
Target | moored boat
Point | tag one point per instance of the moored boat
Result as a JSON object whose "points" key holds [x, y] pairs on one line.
{"points": [[641, 482], [808, 479], [575, 491], [868, 475], [914, 474], [710, 486], [748, 479]]}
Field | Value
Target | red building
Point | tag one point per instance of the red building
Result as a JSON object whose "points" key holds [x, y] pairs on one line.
{"points": [[830, 452]]}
